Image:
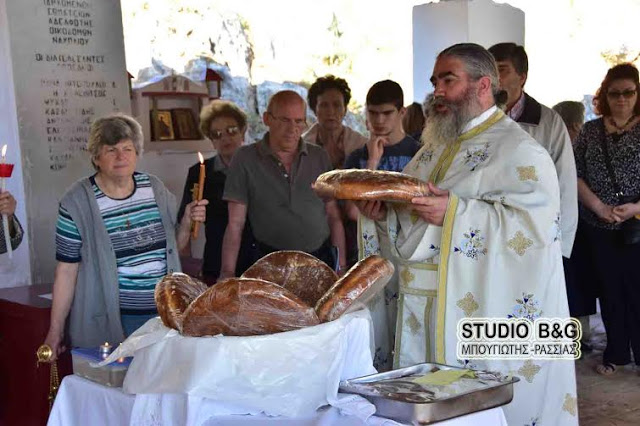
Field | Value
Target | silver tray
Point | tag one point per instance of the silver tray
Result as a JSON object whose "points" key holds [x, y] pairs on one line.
{"points": [[418, 405]]}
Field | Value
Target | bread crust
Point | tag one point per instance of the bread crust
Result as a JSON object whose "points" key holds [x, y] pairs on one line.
{"points": [[351, 292], [173, 294], [369, 185], [246, 307], [301, 273]]}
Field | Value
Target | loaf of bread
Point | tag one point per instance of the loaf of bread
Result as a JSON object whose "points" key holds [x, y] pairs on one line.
{"points": [[355, 184], [302, 274], [351, 292], [246, 307], [173, 294]]}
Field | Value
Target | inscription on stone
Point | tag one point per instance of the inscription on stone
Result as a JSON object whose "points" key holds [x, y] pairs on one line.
{"points": [[70, 100]]}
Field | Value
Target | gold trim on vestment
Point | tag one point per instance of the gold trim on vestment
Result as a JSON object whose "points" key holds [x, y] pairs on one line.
{"points": [[449, 153], [422, 266], [445, 252], [399, 326], [427, 325]]}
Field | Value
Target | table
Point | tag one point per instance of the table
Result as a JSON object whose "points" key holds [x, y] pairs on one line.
{"points": [[24, 322], [81, 402]]}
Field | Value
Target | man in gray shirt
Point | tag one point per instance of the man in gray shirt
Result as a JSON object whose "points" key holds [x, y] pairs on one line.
{"points": [[270, 182]]}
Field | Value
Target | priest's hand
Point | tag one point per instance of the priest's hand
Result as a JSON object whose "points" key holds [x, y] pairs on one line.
{"points": [[374, 210], [432, 208]]}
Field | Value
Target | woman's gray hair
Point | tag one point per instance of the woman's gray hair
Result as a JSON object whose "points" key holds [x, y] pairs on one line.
{"points": [[110, 130], [478, 63]]}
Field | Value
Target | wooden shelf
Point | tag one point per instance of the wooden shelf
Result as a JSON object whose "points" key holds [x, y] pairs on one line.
{"points": [[175, 94]]}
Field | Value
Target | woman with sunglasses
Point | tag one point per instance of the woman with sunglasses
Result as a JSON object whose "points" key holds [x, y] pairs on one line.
{"points": [[225, 125], [607, 160]]}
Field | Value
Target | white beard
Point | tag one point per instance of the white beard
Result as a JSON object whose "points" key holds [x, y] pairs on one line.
{"points": [[444, 128]]}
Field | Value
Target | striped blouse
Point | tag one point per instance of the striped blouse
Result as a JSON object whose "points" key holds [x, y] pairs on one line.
{"points": [[135, 228]]}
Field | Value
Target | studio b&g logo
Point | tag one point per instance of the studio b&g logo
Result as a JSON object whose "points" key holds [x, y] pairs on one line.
{"points": [[519, 338]]}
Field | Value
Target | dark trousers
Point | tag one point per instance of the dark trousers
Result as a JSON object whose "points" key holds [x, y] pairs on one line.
{"points": [[616, 265], [580, 276], [326, 252]]}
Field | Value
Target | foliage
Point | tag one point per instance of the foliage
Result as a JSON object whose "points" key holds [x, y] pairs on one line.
{"points": [[620, 55]]}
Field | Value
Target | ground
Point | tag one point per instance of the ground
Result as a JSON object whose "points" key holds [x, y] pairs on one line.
{"points": [[606, 401]]}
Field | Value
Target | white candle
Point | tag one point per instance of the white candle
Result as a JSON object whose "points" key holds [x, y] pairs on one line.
{"points": [[5, 217]]}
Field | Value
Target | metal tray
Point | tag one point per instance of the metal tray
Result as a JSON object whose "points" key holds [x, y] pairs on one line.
{"points": [[418, 405]]}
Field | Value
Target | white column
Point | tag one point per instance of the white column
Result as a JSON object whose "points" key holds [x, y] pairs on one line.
{"points": [[437, 26]]}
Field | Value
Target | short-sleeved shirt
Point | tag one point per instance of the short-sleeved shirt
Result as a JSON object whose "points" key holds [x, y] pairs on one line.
{"points": [[624, 152], [285, 213], [138, 237], [394, 158]]}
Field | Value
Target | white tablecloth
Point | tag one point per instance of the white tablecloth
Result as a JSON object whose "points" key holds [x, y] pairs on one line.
{"points": [[250, 374], [81, 402]]}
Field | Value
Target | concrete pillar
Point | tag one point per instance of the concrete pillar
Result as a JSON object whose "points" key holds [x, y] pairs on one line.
{"points": [[437, 26]]}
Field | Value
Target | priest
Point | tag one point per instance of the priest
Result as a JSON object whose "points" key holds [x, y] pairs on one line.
{"points": [[485, 243]]}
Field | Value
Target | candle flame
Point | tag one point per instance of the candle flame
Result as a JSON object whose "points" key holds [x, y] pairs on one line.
{"points": [[199, 156], [4, 150], [106, 344]]}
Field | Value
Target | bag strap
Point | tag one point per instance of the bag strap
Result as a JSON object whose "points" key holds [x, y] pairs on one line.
{"points": [[607, 162]]}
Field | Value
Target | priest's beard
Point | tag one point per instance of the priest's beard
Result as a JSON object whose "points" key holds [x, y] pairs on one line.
{"points": [[444, 128]]}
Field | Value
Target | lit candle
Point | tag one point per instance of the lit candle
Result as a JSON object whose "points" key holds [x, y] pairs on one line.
{"points": [[196, 225], [105, 349], [5, 217]]}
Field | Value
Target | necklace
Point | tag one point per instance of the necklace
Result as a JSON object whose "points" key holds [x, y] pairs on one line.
{"points": [[621, 129]]}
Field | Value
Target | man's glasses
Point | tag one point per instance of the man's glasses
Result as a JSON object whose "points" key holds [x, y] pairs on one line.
{"points": [[217, 134], [297, 122], [627, 94]]}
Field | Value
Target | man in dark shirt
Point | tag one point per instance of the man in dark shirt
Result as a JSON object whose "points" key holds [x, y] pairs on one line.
{"points": [[270, 183]]}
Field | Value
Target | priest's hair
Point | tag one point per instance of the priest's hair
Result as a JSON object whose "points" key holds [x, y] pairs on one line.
{"points": [[478, 62]]}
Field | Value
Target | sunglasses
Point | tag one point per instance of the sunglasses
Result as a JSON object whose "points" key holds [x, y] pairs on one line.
{"points": [[627, 94], [217, 134]]}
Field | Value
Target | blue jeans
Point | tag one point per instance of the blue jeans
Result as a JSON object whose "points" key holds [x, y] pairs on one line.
{"points": [[131, 323]]}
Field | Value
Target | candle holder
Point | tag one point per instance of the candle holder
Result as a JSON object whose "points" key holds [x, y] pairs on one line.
{"points": [[105, 349], [6, 170]]}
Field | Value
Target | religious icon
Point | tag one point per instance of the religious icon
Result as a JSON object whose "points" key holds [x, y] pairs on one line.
{"points": [[162, 125], [186, 127]]}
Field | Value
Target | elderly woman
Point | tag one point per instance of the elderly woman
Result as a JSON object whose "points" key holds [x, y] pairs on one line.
{"points": [[328, 98], [115, 238], [607, 152], [225, 125]]}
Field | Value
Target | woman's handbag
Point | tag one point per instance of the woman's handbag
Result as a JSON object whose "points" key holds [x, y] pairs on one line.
{"points": [[631, 227]]}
